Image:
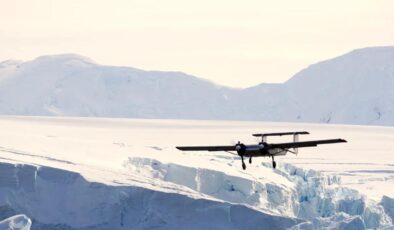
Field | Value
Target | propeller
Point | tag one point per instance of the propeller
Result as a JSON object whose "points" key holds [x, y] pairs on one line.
{"points": [[240, 148], [262, 145]]}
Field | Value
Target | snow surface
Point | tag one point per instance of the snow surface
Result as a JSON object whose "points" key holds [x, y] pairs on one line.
{"points": [[355, 88], [90, 173]]}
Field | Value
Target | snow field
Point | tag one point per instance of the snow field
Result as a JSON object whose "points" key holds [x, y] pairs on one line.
{"points": [[82, 173]]}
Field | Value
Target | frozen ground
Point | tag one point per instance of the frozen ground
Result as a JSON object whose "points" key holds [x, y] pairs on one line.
{"points": [[85, 173]]}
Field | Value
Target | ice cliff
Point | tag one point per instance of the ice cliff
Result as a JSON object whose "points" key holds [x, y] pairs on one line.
{"points": [[58, 199]]}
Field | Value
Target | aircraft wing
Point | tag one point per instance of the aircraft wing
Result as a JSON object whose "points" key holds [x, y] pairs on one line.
{"points": [[207, 148], [302, 144]]}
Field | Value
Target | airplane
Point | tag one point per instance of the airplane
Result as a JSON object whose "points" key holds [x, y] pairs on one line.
{"points": [[264, 149]]}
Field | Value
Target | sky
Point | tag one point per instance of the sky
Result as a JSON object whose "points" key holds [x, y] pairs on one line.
{"points": [[232, 43]]}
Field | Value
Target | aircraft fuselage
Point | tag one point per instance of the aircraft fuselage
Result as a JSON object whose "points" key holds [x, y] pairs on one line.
{"points": [[261, 151]]}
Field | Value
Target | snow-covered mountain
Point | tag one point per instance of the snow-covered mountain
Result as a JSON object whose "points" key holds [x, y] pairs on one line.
{"points": [[70, 85], [355, 88]]}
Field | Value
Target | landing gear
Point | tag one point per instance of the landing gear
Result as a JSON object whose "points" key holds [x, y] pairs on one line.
{"points": [[243, 163], [250, 160], [273, 162]]}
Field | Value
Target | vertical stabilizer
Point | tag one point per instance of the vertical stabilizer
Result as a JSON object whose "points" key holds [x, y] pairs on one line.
{"points": [[296, 138]]}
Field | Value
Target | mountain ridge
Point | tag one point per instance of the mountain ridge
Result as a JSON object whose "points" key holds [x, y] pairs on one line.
{"points": [[354, 88]]}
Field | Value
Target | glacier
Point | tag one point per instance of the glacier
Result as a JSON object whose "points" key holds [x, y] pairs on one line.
{"points": [[59, 199], [91, 173]]}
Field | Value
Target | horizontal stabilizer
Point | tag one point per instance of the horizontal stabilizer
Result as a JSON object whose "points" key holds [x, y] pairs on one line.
{"points": [[279, 134]]}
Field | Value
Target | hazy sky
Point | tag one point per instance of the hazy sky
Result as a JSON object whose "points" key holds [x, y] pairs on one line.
{"points": [[235, 43]]}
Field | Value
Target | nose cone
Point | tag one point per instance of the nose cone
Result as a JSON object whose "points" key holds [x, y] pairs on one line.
{"points": [[238, 147]]}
